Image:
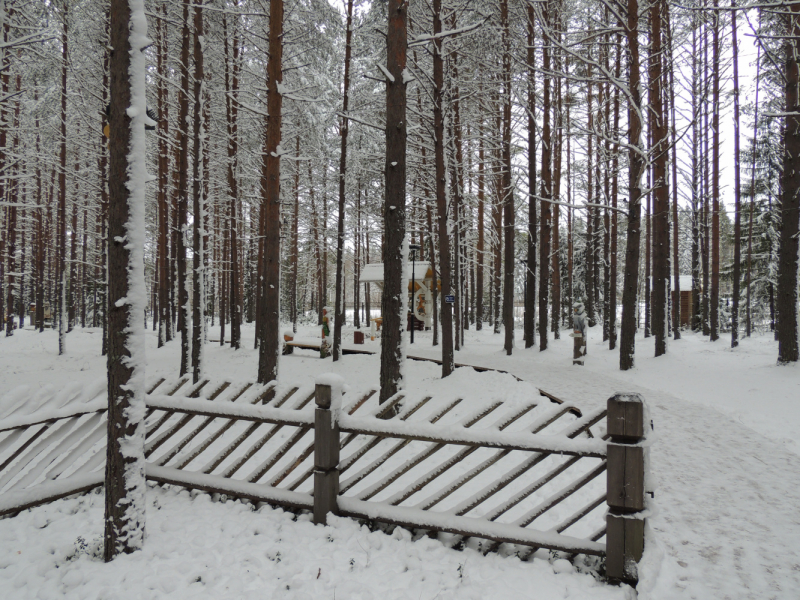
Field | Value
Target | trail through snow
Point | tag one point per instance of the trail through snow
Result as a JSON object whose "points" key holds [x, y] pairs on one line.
{"points": [[725, 460], [728, 497]]}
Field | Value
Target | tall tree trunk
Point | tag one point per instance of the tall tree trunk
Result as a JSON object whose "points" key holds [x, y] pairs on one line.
{"points": [[497, 221], [198, 200], [635, 171], [394, 210], [446, 310], [40, 242], [547, 186], [164, 282], [480, 256], [323, 231], [570, 300], [455, 203], [124, 478], [104, 148], [606, 154], [457, 186], [73, 247], [268, 347], [696, 281], [432, 239], [344, 128], [367, 299], [530, 263], [752, 194], [715, 246], [295, 238], [589, 281], [11, 254], [61, 251], [356, 261], [234, 299], [183, 192], [737, 225], [648, 241], [5, 66], [612, 303], [790, 202], [508, 190], [12, 290], [676, 271], [705, 231], [661, 190], [555, 237]]}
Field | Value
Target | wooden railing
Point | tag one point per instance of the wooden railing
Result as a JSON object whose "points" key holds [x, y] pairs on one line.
{"points": [[397, 463]]}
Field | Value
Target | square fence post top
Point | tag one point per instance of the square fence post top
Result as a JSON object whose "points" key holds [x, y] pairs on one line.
{"points": [[626, 417], [322, 395]]}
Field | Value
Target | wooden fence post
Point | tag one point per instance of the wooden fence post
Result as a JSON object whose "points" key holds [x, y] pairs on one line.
{"points": [[326, 456], [625, 496]]}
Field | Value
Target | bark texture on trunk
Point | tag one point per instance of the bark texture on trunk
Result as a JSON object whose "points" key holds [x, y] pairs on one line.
{"points": [[546, 192], [508, 190], [124, 478], [268, 346], [660, 216], [530, 264], [183, 192], [234, 299], [715, 245], [790, 203], [61, 251], [394, 209], [339, 314], [446, 310], [636, 168], [198, 201]]}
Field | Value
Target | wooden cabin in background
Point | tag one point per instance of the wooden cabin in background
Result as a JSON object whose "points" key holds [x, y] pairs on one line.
{"points": [[685, 300]]}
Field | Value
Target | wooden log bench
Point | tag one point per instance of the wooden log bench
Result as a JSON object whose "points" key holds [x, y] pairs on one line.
{"points": [[288, 347], [290, 343]]}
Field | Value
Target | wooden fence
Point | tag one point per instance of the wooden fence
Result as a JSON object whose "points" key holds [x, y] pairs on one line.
{"points": [[521, 473]]}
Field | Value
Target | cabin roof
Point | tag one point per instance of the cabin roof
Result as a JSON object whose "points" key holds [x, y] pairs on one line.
{"points": [[373, 272]]}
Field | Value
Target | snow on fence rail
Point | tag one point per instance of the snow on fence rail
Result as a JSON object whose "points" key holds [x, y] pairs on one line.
{"points": [[522, 473]]}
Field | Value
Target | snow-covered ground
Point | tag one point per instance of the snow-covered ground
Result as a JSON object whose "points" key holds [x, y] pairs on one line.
{"points": [[725, 460]]}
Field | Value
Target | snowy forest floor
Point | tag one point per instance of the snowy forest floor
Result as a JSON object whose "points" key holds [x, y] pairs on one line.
{"points": [[726, 461]]}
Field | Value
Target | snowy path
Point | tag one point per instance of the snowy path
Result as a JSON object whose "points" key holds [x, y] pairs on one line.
{"points": [[726, 459], [729, 510]]}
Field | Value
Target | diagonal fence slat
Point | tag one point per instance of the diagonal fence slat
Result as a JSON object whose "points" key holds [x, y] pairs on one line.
{"points": [[502, 482], [538, 426], [25, 445], [345, 464], [96, 436], [54, 435], [216, 461], [168, 414], [199, 426], [177, 426], [443, 467], [560, 496], [204, 435], [251, 452], [432, 449], [64, 445]]}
